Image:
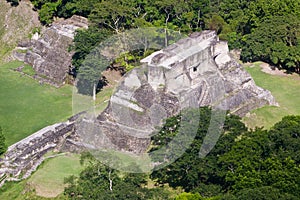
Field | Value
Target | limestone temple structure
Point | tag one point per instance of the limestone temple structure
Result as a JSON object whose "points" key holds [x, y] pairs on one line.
{"points": [[196, 71]]}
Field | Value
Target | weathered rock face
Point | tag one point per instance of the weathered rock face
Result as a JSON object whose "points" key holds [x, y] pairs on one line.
{"points": [[23, 157], [196, 71], [48, 53]]}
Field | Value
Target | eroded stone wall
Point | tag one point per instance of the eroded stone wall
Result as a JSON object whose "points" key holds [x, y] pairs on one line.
{"points": [[23, 157], [48, 53]]}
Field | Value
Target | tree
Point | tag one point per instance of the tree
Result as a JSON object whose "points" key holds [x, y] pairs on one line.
{"points": [[265, 193], [112, 14], [275, 41], [265, 158], [285, 138], [90, 73], [78, 7], [189, 171], [216, 23], [85, 41], [47, 11], [98, 181], [265, 30]]}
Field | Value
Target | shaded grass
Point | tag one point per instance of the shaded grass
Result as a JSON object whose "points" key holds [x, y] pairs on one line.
{"points": [[26, 106], [285, 89], [48, 181]]}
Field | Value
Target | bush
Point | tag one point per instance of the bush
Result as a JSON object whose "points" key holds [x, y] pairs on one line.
{"points": [[3, 146]]}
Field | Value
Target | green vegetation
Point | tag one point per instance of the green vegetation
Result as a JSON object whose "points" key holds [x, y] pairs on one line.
{"points": [[100, 182], [12, 190], [27, 69], [27, 106], [264, 30], [3, 145], [241, 162], [286, 91], [257, 164], [48, 181]]}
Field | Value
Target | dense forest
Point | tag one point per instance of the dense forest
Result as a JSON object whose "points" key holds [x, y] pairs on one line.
{"points": [[264, 30], [255, 164]]}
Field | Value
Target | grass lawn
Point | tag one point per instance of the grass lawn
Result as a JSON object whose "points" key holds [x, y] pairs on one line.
{"points": [[12, 191], [285, 89], [47, 182], [26, 106]]}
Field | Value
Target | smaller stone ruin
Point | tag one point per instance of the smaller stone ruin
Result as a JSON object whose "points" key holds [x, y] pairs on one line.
{"points": [[49, 53], [23, 157]]}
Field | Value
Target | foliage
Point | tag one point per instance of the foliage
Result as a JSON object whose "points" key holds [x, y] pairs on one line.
{"points": [[128, 60], [266, 193], [188, 196], [3, 146], [275, 41], [47, 11], [85, 41], [189, 171], [266, 30], [90, 73], [241, 160], [98, 181]]}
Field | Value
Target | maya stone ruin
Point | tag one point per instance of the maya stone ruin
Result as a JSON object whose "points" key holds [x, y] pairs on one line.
{"points": [[48, 53], [196, 71]]}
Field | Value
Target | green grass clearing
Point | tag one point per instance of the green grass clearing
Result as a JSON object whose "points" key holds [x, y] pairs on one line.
{"points": [[285, 89], [26, 106], [46, 183], [28, 70]]}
